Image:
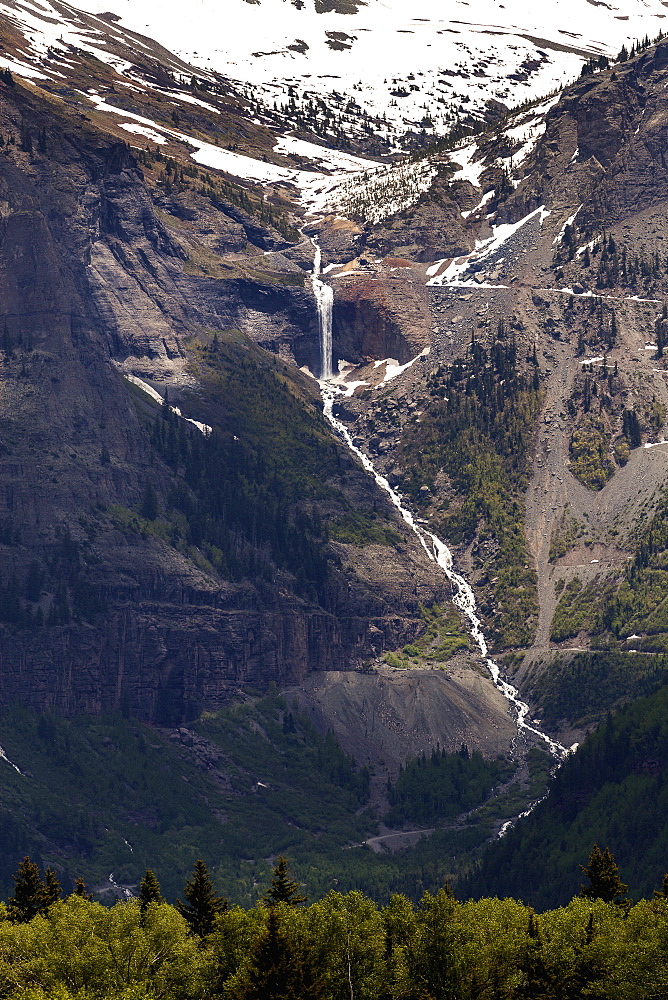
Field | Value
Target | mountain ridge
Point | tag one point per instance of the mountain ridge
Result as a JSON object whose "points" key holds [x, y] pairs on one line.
{"points": [[497, 331]]}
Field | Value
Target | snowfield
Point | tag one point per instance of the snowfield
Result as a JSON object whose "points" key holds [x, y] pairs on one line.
{"points": [[409, 62]]}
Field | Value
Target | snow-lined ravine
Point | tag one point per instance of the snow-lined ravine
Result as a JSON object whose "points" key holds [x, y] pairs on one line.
{"points": [[435, 550], [3, 756]]}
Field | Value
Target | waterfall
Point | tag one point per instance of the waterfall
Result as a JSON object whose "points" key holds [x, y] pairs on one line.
{"points": [[438, 552], [324, 297]]}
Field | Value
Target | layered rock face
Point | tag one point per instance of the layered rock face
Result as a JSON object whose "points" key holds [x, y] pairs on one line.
{"points": [[97, 277]]}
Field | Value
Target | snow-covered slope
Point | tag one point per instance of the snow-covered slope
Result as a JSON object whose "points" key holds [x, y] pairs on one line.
{"points": [[417, 63], [410, 71]]}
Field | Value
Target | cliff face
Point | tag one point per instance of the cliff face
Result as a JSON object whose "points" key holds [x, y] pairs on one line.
{"points": [[100, 276]]}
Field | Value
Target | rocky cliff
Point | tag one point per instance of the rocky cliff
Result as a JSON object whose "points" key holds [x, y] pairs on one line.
{"points": [[103, 274]]}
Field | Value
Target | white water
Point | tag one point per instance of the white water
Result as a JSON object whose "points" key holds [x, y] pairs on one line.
{"points": [[3, 756], [324, 297], [121, 888], [436, 550]]}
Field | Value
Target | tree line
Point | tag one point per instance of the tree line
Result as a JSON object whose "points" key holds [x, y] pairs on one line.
{"points": [[343, 947]]}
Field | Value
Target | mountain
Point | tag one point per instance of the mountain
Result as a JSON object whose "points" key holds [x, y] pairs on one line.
{"points": [[423, 67], [189, 514]]}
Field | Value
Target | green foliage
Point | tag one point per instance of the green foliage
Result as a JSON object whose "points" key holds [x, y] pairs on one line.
{"points": [[127, 782], [478, 427], [88, 950], [604, 880], [202, 905], [360, 529], [280, 966], [233, 508], [611, 791], [582, 688], [223, 191], [443, 636], [566, 536], [31, 894], [283, 888], [589, 454], [236, 788], [431, 789], [149, 504], [579, 609], [248, 501], [62, 580], [344, 946], [640, 606], [149, 891]]}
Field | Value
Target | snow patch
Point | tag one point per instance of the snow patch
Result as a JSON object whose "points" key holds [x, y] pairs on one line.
{"points": [[393, 368], [569, 222], [454, 274], [155, 395]]}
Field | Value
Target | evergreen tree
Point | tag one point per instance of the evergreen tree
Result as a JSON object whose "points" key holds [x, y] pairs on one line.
{"points": [[52, 888], [283, 889], [662, 893], [30, 893], [603, 875], [81, 890], [201, 905], [149, 503], [34, 581], [281, 968], [149, 891], [532, 964]]}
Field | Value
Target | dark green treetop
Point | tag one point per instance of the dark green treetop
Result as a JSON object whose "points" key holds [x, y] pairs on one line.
{"points": [[281, 967], [31, 894], [149, 891], [201, 905], [662, 893], [283, 889], [603, 875], [81, 890]]}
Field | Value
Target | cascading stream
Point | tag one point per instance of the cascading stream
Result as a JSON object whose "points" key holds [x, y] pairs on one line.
{"points": [[436, 550], [324, 297]]}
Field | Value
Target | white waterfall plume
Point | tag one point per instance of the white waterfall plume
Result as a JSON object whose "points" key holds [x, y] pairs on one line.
{"points": [[324, 297], [438, 552]]}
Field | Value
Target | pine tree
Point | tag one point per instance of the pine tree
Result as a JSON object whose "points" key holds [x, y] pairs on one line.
{"points": [[30, 893], [81, 890], [281, 968], [603, 875], [52, 888], [662, 893], [149, 503], [283, 889], [532, 964], [202, 905], [149, 891]]}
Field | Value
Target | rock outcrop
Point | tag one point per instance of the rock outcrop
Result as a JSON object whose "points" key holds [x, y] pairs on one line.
{"points": [[101, 273]]}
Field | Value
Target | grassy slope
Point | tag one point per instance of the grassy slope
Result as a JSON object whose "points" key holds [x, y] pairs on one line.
{"points": [[236, 788]]}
